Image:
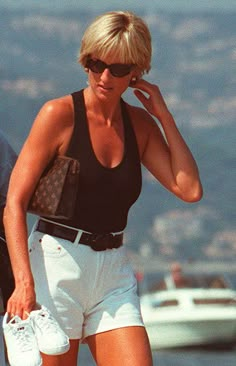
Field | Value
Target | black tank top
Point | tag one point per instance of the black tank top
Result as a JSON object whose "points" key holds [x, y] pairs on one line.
{"points": [[105, 195]]}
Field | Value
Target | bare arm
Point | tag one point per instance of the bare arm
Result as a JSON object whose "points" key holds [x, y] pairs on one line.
{"points": [[167, 157], [46, 139]]}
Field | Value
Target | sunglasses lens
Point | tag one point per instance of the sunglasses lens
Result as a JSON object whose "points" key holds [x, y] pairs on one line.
{"points": [[96, 65], [117, 70], [120, 70]]}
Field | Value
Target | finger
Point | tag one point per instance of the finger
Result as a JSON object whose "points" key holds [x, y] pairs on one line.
{"points": [[143, 85], [27, 310], [25, 315], [14, 309], [20, 312], [10, 309], [143, 99]]}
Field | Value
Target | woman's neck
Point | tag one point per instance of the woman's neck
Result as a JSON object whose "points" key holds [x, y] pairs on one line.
{"points": [[107, 112]]}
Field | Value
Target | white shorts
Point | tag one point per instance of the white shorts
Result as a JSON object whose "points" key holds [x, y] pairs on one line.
{"points": [[88, 292]]}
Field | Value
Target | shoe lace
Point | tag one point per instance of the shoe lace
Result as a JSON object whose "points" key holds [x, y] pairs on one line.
{"points": [[46, 322], [23, 338]]}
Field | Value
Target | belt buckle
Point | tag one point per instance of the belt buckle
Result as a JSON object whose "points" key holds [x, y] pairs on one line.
{"points": [[101, 242]]}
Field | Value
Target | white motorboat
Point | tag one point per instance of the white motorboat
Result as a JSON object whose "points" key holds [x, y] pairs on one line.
{"points": [[201, 315]]}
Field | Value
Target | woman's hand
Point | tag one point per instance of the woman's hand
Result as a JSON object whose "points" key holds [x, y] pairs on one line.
{"points": [[151, 98], [22, 301]]}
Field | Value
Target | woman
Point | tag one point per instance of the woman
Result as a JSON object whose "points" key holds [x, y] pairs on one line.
{"points": [[89, 285]]}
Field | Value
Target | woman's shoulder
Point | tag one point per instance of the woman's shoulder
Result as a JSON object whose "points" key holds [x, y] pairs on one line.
{"points": [[61, 104], [57, 111], [142, 123], [140, 118]]}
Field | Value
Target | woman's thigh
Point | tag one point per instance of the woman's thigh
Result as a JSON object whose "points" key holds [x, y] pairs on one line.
{"points": [[127, 346]]}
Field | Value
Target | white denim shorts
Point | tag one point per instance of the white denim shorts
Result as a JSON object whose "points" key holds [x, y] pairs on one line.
{"points": [[88, 292]]}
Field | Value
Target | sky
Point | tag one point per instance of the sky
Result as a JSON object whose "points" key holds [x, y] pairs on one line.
{"points": [[170, 5]]}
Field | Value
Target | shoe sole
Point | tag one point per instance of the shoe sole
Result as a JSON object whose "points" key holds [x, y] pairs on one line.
{"points": [[48, 351]]}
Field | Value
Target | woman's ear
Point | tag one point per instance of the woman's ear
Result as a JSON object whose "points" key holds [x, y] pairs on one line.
{"points": [[133, 80], [135, 76]]}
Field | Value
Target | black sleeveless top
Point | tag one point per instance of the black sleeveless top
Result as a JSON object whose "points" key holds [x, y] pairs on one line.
{"points": [[105, 195]]}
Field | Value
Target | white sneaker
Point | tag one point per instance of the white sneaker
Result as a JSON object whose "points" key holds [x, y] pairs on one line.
{"points": [[22, 347], [50, 337]]}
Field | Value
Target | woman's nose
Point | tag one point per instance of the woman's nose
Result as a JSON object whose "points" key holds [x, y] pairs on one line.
{"points": [[106, 74]]}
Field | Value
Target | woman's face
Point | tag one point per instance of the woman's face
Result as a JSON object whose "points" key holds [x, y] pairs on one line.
{"points": [[104, 83]]}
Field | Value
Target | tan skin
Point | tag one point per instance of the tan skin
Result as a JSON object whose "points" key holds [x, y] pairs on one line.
{"points": [[172, 164]]}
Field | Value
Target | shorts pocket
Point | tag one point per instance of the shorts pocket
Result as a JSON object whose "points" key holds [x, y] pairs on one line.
{"points": [[48, 245]]}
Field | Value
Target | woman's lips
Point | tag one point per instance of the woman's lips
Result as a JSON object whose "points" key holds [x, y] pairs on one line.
{"points": [[103, 87]]}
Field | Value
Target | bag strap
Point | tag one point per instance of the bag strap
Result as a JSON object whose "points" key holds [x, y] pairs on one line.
{"points": [[77, 97]]}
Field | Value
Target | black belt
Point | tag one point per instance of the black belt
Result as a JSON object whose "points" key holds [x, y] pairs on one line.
{"points": [[97, 242]]}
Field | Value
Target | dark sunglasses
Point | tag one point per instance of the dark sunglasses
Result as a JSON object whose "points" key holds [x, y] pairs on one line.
{"points": [[117, 70]]}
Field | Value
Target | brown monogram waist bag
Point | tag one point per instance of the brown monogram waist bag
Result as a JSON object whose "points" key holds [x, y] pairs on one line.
{"points": [[55, 193]]}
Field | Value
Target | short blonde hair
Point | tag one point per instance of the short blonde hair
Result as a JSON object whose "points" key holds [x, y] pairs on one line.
{"points": [[120, 33]]}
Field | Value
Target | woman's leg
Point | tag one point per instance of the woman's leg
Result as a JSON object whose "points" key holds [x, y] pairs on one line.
{"points": [[69, 358], [127, 346]]}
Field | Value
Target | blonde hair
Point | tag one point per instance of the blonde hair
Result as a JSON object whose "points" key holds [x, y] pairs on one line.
{"points": [[120, 33]]}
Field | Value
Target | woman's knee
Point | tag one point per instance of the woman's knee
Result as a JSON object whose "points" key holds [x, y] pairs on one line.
{"points": [[129, 346]]}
